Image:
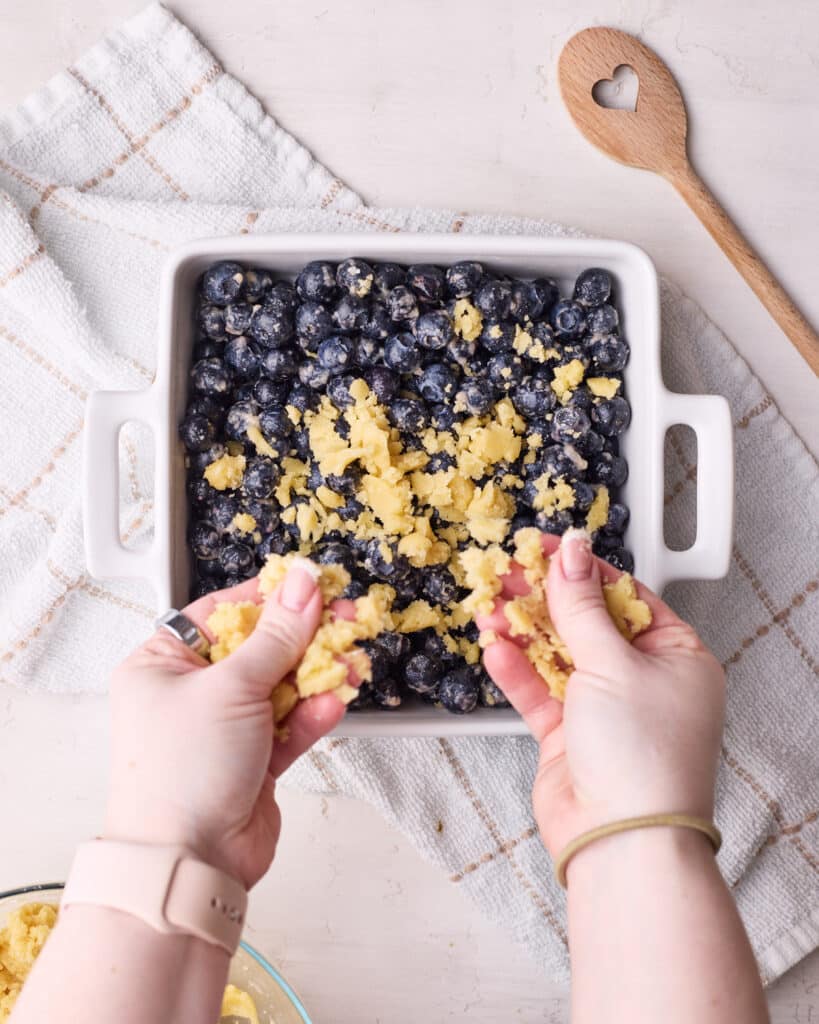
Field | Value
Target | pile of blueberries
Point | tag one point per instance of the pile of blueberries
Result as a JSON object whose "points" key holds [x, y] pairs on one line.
{"points": [[262, 344]]}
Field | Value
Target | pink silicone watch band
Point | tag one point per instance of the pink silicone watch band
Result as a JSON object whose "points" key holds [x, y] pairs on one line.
{"points": [[164, 886]]}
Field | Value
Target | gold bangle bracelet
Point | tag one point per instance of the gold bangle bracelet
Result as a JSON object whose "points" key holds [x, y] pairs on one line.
{"points": [[627, 825]]}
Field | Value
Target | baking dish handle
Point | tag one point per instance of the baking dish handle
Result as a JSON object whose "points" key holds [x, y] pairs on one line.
{"points": [[709, 556], [105, 413]]}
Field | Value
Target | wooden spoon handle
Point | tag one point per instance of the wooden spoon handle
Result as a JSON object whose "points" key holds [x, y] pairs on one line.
{"points": [[747, 261]]}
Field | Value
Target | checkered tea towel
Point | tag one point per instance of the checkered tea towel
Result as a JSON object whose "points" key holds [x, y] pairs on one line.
{"points": [[145, 143]]}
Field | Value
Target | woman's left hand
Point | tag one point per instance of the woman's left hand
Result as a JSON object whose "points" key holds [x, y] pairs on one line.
{"points": [[193, 757]]}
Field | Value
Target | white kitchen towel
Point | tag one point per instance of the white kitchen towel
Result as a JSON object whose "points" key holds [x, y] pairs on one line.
{"points": [[145, 143]]}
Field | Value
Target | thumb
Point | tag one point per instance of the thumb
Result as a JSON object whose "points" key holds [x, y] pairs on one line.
{"points": [[577, 607], [289, 619]]}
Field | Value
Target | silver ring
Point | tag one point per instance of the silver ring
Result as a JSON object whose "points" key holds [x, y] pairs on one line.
{"points": [[183, 629]]}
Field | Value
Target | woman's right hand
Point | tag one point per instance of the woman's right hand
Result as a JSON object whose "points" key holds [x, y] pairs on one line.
{"points": [[640, 729]]}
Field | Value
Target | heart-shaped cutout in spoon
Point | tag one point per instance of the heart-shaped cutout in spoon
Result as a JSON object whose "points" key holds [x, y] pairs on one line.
{"points": [[620, 92], [653, 136]]}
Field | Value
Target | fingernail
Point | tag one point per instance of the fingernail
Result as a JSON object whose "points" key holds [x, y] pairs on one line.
{"points": [[576, 554], [298, 587]]}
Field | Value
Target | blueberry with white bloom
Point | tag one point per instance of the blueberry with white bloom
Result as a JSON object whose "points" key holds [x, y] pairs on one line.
{"points": [[593, 287], [223, 283], [317, 282]]}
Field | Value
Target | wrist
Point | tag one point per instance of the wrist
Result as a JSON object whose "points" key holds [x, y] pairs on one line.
{"points": [[637, 856]]}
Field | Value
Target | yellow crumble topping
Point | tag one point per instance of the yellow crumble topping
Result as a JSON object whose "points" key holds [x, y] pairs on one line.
{"points": [[603, 387], [528, 615], [225, 472], [467, 320], [567, 378]]}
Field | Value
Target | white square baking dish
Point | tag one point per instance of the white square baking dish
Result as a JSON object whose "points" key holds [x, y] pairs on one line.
{"points": [[654, 410]]}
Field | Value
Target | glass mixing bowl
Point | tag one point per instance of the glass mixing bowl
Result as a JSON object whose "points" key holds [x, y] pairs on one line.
{"points": [[275, 1000]]}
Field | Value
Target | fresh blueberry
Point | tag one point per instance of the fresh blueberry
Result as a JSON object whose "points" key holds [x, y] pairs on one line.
{"points": [[621, 558], [199, 491], [210, 377], [272, 323], [443, 417], [240, 416], [338, 391], [463, 353], [376, 564], [264, 511], [395, 645], [611, 416], [387, 277], [602, 320], [241, 358], [212, 321], [421, 673], [367, 352], [494, 298], [440, 462], [584, 495], [279, 364], [355, 277], [383, 382], [353, 590], [275, 424], [197, 433], [505, 370], [533, 398], [490, 694], [430, 643], [207, 405], [237, 317], [223, 283], [313, 322], [618, 517], [555, 461], [211, 569], [548, 291], [203, 539], [346, 483], [569, 425], [582, 398], [402, 304], [593, 287], [409, 415], [276, 543], [243, 392], [426, 281], [203, 587], [401, 353], [557, 522], [568, 319], [261, 476], [477, 395], [257, 283], [458, 691], [300, 443], [207, 348], [336, 554], [350, 510], [433, 330], [197, 462], [463, 278], [377, 325], [315, 478], [609, 353], [223, 507], [350, 314], [527, 301], [386, 695], [608, 469], [302, 398], [317, 282], [543, 332], [439, 586], [313, 375], [236, 558], [497, 337], [336, 353], [438, 382]]}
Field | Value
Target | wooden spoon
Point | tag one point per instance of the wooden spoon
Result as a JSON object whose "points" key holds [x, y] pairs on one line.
{"points": [[653, 137]]}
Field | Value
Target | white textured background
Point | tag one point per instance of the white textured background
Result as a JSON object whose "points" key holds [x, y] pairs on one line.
{"points": [[456, 104]]}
